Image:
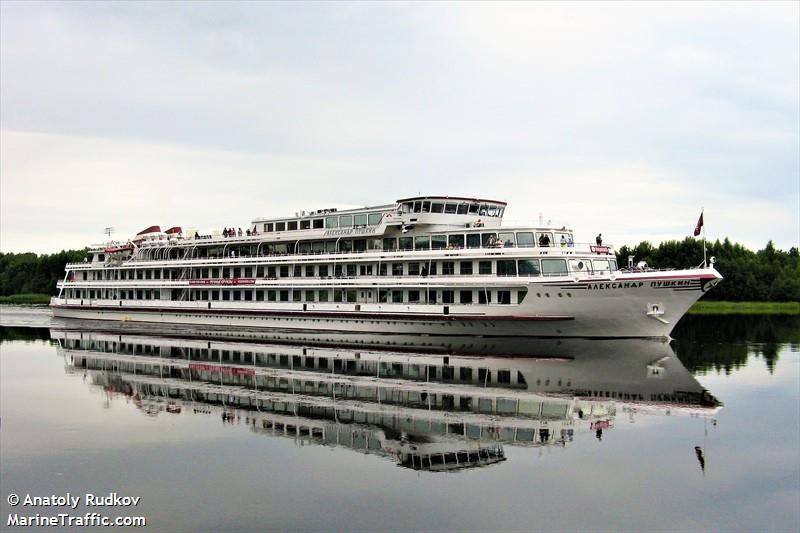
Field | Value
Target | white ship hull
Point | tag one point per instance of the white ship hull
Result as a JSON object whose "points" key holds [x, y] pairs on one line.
{"points": [[645, 304]]}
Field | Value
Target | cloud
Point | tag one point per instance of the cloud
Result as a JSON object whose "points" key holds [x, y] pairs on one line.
{"points": [[628, 116]]}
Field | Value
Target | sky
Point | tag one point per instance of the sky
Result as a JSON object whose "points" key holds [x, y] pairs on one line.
{"points": [[620, 118]]}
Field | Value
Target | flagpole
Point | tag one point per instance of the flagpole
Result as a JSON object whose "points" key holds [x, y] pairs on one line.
{"points": [[702, 215]]}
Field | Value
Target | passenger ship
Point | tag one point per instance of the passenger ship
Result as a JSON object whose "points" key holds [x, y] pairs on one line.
{"points": [[436, 265]]}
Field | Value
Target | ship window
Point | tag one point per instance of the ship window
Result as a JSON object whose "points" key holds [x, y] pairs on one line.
{"points": [[346, 221], [318, 223], [375, 218], [484, 267], [345, 246], [383, 295], [389, 244], [506, 268], [318, 247], [284, 296], [270, 272], [382, 269], [406, 243], [351, 271], [544, 239], [397, 296], [284, 271], [612, 263], [417, 206], [291, 225], [422, 243], [525, 239], [439, 242], [507, 239], [482, 210], [337, 271], [504, 297], [413, 296], [309, 271], [260, 295], [455, 241], [437, 207], [462, 209], [528, 267], [473, 240], [360, 245], [450, 208], [365, 270], [397, 269], [280, 226], [448, 268], [413, 269], [297, 296], [521, 296], [493, 211], [309, 296], [330, 247], [323, 271], [406, 207], [554, 267], [465, 297], [488, 240], [226, 295], [305, 224], [473, 209], [269, 226], [448, 296], [360, 220], [466, 268], [304, 247], [432, 296], [331, 222], [323, 296], [484, 296]]}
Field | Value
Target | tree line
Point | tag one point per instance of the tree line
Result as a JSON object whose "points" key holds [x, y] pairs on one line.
{"points": [[768, 275], [765, 275]]}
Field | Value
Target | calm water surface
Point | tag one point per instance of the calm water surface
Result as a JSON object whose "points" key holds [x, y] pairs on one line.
{"points": [[273, 433]]}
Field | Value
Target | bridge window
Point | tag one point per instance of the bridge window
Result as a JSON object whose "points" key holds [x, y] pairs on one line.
{"points": [[473, 209], [528, 267], [426, 206], [462, 209], [331, 222], [437, 207], [375, 218], [450, 208], [554, 267]]}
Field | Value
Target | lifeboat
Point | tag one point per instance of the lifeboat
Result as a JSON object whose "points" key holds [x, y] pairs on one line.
{"points": [[128, 247]]}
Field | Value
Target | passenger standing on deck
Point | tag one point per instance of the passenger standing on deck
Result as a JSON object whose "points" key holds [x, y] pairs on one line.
{"points": [[599, 239], [563, 241]]}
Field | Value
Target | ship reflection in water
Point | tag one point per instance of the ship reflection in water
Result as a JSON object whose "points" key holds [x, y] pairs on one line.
{"points": [[428, 403]]}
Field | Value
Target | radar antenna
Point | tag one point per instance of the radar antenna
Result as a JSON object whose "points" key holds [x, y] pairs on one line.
{"points": [[108, 231]]}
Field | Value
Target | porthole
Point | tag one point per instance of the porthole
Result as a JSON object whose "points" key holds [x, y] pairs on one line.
{"points": [[547, 294], [569, 295], [560, 295]]}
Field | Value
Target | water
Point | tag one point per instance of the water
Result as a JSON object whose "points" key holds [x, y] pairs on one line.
{"points": [[598, 435]]}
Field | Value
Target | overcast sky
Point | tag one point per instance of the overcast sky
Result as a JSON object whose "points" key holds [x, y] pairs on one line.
{"points": [[620, 118]]}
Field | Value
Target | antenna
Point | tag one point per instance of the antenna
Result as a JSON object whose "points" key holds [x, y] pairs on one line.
{"points": [[108, 231]]}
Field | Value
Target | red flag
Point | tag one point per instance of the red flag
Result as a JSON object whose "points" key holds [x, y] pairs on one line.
{"points": [[698, 226]]}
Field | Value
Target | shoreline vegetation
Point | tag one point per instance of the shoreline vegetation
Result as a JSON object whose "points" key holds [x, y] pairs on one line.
{"points": [[763, 282]]}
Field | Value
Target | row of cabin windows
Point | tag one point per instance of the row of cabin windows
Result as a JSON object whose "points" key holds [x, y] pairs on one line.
{"points": [[431, 296], [457, 241], [339, 221], [452, 208], [500, 267]]}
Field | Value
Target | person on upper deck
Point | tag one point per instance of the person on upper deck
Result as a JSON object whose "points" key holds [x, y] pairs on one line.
{"points": [[544, 240], [563, 241], [599, 239], [240, 232], [224, 232]]}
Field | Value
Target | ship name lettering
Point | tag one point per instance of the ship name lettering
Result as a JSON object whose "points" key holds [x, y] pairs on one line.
{"points": [[615, 285], [349, 231]]}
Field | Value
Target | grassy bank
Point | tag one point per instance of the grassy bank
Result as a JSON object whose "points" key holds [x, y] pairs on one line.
{"points": [[709, 307], [29, 298]]}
